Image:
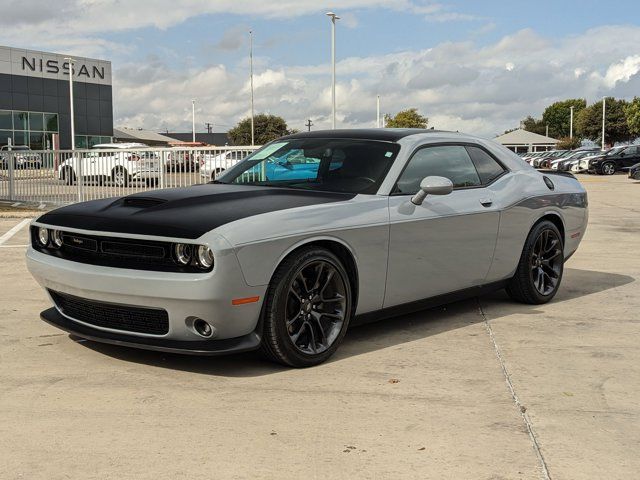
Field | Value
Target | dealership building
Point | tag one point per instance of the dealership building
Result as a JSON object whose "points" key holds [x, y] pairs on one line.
{"points": [[34, 100]]}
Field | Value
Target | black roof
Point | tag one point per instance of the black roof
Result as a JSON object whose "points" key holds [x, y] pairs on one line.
{"points": [[384, 134]]}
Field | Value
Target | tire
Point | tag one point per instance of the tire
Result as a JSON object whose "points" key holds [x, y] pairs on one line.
{"points": [[68, 176], [524, 286], [217, 172], [294, 327], [608, 168], [120, 177]]}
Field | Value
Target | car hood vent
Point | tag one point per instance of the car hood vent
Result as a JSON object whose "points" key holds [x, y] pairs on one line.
{"points": [[143, 202]]}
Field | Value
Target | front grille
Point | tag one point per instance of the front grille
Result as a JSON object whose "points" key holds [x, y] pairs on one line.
{"points": [[153, 321], [116, 252]]}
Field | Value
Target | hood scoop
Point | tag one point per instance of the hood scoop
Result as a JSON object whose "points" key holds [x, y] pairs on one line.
{"points": [[143, 202]]}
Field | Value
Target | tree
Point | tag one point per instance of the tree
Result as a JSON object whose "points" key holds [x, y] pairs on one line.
{"points": [[589, 122], [266, 128], [567, 143], [558, 116], [632, 114], [409, 118], [530, 124]]}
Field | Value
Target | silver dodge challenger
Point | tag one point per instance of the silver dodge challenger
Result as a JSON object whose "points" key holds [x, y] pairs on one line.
{"points": [[311, 233]]}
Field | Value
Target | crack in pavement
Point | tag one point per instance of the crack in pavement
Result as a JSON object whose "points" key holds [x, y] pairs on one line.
{"points": [[521, 408]]}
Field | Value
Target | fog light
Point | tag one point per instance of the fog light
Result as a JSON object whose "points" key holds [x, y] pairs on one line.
{"points": [[183, 252], [203, 328], [43, 236], [56, 238], [205, 257]]}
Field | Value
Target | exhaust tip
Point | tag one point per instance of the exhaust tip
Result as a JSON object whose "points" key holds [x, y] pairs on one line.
{"points": [[202, 328]]}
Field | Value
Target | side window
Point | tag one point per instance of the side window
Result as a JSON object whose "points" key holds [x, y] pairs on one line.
{"points": [[452, 162], [631, 151], [487, 167]]}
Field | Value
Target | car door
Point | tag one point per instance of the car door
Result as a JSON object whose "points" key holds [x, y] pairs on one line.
{"points": [[630, 158], [446, 243]]}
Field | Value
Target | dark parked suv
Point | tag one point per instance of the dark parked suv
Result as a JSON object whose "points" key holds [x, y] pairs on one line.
{"points": [[615, 160]]}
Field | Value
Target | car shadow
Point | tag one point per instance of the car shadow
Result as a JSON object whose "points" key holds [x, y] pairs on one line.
{"points": [[374, 336]]}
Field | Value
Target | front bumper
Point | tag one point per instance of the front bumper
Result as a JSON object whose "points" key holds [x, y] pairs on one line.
{"points": [[244, 343], [183, 296]]}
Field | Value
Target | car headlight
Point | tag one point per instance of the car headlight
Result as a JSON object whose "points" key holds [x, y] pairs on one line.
{"points": [[205, 257], [43, 236], [183, 253], [56, 238]]}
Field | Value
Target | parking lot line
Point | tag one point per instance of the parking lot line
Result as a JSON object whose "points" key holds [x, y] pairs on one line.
{"points": [[13, 231]]}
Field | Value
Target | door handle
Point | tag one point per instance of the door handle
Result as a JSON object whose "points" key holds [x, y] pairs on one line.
{"points": [[486, 202]]}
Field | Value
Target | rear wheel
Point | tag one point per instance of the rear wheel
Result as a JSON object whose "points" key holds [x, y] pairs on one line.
{"points": [[541, 265], [307, 309], [120, 177], [608, 168]]}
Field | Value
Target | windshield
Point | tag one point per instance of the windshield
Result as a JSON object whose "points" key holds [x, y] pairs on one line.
{"points": [[335, 165]]}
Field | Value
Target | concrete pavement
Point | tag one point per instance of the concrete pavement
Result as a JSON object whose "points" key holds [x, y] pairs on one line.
{"points": [[481, 389]]}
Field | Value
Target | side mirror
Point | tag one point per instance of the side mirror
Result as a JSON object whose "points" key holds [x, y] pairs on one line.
{"points": [[432, 186], [622, 154]]}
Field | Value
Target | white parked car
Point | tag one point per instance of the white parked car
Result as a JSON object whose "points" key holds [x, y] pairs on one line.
{"points": [[118, 163], [212, 165]]}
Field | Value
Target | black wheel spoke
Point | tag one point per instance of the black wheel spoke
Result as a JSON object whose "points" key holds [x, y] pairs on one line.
{"points": [[316, 304], [546, 262]]}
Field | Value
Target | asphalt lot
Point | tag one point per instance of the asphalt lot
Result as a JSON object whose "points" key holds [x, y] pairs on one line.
{"points": [[421, 396]]}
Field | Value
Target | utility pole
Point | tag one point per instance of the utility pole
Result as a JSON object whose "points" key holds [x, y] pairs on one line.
{"points": [[547, 131], [604, 109], [571, 123], [251, 83], [193, 121], [209, 127], [309, 124], [333, 17], [70, 62], [378, 111]]}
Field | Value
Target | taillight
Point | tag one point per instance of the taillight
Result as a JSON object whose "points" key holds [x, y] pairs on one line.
{"points": [[134, 158]]}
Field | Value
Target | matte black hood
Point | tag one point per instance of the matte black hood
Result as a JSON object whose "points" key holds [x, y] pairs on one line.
{"points": [[183, 212]]}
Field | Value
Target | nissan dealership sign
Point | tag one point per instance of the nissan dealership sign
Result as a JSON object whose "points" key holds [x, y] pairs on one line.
{"points": [[30, 63]]}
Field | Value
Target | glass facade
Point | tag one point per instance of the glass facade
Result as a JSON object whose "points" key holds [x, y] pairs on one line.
{"points": [[34, 129]]}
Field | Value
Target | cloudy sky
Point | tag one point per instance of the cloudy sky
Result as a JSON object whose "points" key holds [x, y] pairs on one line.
{"points": [[473, 66]]}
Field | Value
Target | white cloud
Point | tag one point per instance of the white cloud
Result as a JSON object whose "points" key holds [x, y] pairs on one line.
{"points": [[622, 71]]}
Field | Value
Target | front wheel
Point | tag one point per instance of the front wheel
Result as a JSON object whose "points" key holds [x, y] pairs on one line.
{"points": [[608, 168], [307, 309], [541, 265]]}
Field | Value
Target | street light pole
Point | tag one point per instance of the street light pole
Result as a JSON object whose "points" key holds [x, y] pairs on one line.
{"points": [[378, 111], [193, 121], [70, 62], [251, 83], [571, 124], [604, 109], [333, 17]]}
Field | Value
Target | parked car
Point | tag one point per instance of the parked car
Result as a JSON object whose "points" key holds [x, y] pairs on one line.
{"points": [[212, 165], [181, 159], [370, 224], [564, 164], [615, 160], [118, 163], [22, 155], [634, 172]]}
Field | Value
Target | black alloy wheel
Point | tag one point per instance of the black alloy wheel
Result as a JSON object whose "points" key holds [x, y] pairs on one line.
{"points": [[307, 309], [541, 266]]}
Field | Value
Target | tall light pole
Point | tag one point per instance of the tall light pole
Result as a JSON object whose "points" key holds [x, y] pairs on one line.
{"points": [[571, 123], [251, 83], [378, 111], [604, 109], [193, 121], [70, 62], [333, 17], [547, 130]]}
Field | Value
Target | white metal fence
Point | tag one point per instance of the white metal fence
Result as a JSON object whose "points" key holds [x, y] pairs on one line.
{"points": [[65, 176]]}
